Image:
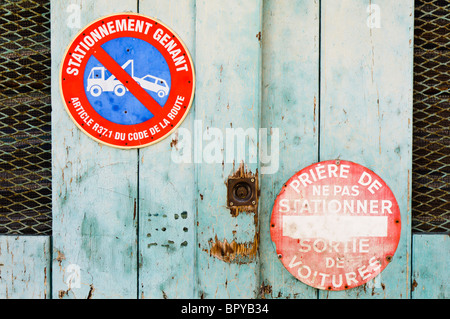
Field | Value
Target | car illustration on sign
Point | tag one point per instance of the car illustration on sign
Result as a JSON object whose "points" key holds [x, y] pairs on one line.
{"points": [[154, 84], [97, 83]]}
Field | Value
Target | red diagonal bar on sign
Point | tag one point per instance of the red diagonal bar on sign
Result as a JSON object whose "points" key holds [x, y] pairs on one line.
{"points": [[109, 63]]}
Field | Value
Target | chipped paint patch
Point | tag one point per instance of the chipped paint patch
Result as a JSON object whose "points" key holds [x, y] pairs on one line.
{"points": [[61, 294], [238, 253], [91, 292], [265, 290]]}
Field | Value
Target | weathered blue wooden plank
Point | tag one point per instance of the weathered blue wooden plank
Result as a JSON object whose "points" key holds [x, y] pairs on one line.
{"points": [[228, 68], [366, 109], [430, 262], [290, 98], [25, 267], [167, 189], [94, 186]]}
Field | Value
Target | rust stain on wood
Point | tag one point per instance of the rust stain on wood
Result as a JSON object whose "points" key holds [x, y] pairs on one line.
{"points": [[315, 105], [45, 282], [239, 253], [265, 290], [242, 172], [414, 285], [91, 292], [408, 192], [235, 252], [258, 36], [61, 294], [174, 141], [60, 257]]}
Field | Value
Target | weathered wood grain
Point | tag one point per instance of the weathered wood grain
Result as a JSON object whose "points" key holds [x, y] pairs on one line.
{"points": [[228, 68], [290, 104], [366, 111], [25, 267], [257, 66], [431, 258], [167, 188], [94, 186]]}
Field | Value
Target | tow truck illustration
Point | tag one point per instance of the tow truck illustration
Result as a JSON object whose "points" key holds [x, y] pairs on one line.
{"points": [[97, 84]]}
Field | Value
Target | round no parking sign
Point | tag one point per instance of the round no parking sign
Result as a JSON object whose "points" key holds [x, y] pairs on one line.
{"points": [[127, 80], [335, 225]]}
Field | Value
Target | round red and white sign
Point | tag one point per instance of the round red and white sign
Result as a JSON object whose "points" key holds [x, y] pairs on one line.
{"points": [[336, 225], [127, 80]]}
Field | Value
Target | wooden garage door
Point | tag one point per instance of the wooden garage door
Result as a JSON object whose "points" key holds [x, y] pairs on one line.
{"points": [[302, 81]]}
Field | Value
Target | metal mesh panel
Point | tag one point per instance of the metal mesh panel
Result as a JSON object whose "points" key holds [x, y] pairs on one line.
{"points": [[25, 149], [431, 138]]}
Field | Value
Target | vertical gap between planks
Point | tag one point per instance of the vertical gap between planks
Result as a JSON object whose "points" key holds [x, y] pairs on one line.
{"points": [[195, 285], [258, 229], [409, 204], [50, 241], [411, 276], [50, 266], [319, 99], [138, 251]]}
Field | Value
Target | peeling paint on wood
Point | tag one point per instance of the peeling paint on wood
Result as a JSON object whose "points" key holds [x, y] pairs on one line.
{"points": [[24, 261], [61, 294], [228, 66], [266, 291], [374, 86], [91, 291], [240, 253], [431, 258], [167, 190], [94, 186], [175, 233], [290, 40]]}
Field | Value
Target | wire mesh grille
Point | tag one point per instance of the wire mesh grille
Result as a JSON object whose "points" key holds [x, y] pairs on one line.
{"points": [[25, 110], [431, 132]]}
